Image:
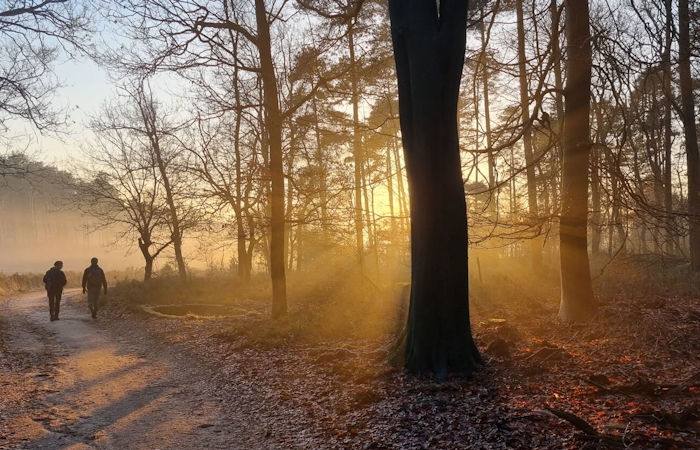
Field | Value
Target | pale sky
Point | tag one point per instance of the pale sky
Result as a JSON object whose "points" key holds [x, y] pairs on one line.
{"points": [[85, 88]]}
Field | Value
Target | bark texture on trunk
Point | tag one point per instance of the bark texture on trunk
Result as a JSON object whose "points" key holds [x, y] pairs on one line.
{"points": [[429, 54], [577, 303]]}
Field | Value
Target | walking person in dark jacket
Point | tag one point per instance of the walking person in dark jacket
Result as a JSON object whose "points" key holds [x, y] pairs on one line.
{"points": [[93, 280], [54, 280]]}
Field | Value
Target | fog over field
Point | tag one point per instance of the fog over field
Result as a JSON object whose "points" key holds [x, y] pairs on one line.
{"points": [[38, 226]]}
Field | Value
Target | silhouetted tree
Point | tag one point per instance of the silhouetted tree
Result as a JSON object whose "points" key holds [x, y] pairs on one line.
{"points": [[577, 301], [429, 48]]}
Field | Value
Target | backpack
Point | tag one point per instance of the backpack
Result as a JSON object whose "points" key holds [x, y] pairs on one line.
{"points": [[51, 280], [94, 277]]}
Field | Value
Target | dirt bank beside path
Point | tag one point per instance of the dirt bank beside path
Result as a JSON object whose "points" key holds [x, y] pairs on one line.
{"points": [[75, 384]]}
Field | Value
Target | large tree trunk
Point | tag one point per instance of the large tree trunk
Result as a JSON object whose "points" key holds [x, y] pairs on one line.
{"points": [[429, 55], [274, 135], [690, 132], [577, 303]]}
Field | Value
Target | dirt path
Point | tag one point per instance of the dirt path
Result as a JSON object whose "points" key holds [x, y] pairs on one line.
{"points": [[73, 384]]}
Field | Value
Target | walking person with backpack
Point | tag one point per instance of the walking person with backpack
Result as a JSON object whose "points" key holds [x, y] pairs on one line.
{"points": [[93, 280], [54, 281]]}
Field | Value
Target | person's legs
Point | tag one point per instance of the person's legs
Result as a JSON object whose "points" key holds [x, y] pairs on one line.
{"points": [[51, 304], [93, 296], [57, 304]]}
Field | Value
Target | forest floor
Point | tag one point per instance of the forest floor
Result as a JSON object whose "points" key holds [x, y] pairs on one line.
{"points": [[629, 379]]}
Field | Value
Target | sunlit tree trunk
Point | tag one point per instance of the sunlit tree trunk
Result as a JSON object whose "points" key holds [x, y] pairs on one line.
{"points": [[577, 302], [558, 101], [289, 212], [556, 54], [403, 203], [390, 193], [321, 164], [690, 132], [535, 247], [368, 209], [429, 55], [487, 123], [356, 149]]}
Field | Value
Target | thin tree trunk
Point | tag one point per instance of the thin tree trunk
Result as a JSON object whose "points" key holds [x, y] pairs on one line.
{"points": [[244, 268], [559, 102], [274, 133], [690, 132], [289, 213], [668, 187], [403, 203], [577, 303], [527, 133], [149, 116], [148, 258], [390, 194], [556, 54], [596, 183], [356, 150], [321, 164], [493, 200], [595, 203]]}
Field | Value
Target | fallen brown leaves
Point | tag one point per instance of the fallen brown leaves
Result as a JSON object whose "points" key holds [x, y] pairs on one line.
{"points": [[628, 379]]}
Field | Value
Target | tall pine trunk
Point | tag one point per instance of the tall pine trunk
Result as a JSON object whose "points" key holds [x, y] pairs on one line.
{"points": [[429, 54], [577, 303]]}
